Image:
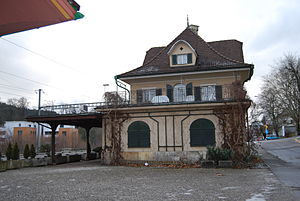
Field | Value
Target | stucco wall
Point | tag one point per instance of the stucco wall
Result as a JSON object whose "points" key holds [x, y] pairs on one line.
{"points": [[169, 136]]}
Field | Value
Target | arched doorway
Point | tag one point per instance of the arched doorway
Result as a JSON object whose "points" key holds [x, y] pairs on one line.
{"points": [[202, 133], [138, 135]]}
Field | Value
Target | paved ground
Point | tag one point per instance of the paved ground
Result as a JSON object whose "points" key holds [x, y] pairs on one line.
{"points": [[91, 181], [283, 157]]}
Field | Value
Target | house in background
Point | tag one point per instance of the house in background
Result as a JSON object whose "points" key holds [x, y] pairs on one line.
{"points": [[24, 132], [173, 96]]}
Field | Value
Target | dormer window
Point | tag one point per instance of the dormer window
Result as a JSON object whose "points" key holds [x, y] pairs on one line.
{"points": [[181, 59], [182, 54]]}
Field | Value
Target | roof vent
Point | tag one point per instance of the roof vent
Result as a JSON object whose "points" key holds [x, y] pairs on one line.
{"points": [[194, 28]]}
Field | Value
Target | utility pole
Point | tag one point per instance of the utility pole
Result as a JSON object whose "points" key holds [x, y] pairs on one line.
{"points": [[39, 91]]}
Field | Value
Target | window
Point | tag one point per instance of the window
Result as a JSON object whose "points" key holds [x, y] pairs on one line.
{"points": [[208, 93], [202, 133], [180, 59], [20, 132], [146, 95], [138, 135], [64, 133], [179, 93]]}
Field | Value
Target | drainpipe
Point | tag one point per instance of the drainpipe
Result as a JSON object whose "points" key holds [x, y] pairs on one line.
{"points": [[181, 123], [118, 84]]}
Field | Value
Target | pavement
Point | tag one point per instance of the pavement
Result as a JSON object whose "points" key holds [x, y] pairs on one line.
{"points": [[283, 158], [89, 180]]}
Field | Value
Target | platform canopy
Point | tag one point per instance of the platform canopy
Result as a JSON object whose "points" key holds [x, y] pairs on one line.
{"points": [[21, 15]]}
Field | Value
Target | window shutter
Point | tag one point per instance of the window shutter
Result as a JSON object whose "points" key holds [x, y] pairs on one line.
{"points": [[139, 96], [219, 92], [158, 92], [174, 59], [189, 89], [197, 92], [170, 92], [189, 58]]}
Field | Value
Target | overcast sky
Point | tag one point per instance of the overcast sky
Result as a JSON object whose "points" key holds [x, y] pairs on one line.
{"points": [[71, 61]]}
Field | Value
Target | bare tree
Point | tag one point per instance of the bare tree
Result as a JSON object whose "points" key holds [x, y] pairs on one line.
{"points": [[270, 103], [280, 97], [288, 87]]}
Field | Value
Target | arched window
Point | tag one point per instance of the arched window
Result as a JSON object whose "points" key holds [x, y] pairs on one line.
{"points": [[179, 93], [138, 134], [202, 133]]}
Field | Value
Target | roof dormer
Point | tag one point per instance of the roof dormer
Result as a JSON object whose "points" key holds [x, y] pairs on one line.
{"points": [[182, 54]]}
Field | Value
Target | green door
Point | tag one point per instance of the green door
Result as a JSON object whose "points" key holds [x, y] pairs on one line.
{"points": [[202, 133]]}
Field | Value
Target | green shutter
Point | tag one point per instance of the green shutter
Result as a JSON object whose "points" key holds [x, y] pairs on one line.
{"points": [[170, 92], [138, 134], [174, 59], [190, 58], [139, 96], [158, 92], [219, 92], [197, 92], [202, 133], [189, 89]]}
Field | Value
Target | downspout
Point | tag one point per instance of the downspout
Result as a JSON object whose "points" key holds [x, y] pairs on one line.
{"points": [[181, 123], [157, 124], [117, 83]]}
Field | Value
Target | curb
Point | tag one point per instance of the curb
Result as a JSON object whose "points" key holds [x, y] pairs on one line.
{"points": [[297, 139]]}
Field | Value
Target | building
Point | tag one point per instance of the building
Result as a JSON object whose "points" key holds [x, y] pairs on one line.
{"points": [[174, 99], [24, 132]]}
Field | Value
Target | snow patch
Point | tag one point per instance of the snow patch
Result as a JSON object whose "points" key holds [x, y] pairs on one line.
{"points": [[257, 197]]}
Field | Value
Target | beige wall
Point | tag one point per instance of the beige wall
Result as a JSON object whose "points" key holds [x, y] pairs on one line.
{"points": [[221, 78], [167, 134]]}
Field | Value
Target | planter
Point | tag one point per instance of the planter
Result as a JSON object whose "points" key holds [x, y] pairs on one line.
{"points": [[59, 159], [13, 164], [225, 164], [37, 162], [207, 164], [74, 158], [27, 163], [3, 166]]}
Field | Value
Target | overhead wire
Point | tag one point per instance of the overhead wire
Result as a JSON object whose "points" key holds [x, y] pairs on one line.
{"points": [[45, 57]]}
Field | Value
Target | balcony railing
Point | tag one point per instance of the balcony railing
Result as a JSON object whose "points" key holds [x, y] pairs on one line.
{"points": [[152, 96]]}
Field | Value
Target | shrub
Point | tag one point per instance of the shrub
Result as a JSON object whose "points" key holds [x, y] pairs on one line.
{"points": [[26, 152], [15, 152], [32, 151], [97, 149], [9, 152], [217, 154], [45, 148]]}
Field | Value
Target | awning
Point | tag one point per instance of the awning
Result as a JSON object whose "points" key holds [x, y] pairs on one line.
{"points": [[21, 15]]}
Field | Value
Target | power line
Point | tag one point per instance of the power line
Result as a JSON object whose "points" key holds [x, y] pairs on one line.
{"points": [[24, 78], [16, 88], [43, 56], [2, 92]]}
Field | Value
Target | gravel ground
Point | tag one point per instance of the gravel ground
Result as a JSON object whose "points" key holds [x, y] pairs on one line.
{"points": [[92, 181]]}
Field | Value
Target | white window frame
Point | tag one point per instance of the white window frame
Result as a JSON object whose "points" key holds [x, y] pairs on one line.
{"points": [[208, 93], [148, 94], [179, 93], [182, 59]]}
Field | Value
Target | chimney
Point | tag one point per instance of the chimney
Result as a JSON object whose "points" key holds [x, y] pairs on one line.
{"points": [[194, 28]]}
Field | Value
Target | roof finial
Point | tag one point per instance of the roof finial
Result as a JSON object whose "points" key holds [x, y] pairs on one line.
{"points": [[187, 21]]}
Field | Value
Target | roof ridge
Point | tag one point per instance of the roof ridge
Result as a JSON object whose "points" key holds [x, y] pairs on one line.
{"points": [[218, 53], [224, 40]]}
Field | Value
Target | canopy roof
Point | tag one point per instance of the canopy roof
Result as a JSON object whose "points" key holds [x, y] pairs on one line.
{"points": [[21, 15]]}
